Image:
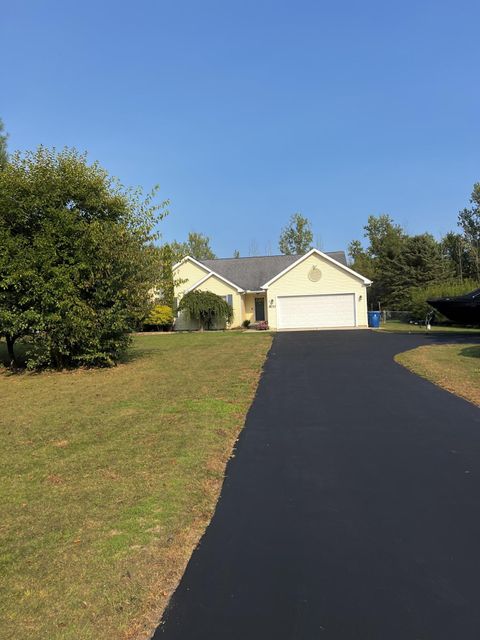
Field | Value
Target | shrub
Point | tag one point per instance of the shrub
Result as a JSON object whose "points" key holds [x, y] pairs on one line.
{"points": [[160, 317], [262, 326], [246, 323], [206, 307], [419, 306]]}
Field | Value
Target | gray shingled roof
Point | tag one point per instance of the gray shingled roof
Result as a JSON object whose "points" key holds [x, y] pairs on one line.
{"points": [[251, 273]]}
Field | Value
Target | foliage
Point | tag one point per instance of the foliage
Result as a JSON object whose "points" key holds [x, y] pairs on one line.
{"points": [[469, 220], [449, 288], [206, 307], [262, 325], [297, 237], [165, 291], [361, 260], [77, 260], [397, 262], [246, 323], [3, 146], [236, 253], [418, 264], [160, 316], [197, 246], [458, 252], [384, 235]]}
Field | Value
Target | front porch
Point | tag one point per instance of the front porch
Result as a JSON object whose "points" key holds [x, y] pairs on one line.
{"points": [[255, 306]]}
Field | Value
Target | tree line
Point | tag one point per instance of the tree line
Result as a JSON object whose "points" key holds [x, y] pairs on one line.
{"points": [[402, 266]]}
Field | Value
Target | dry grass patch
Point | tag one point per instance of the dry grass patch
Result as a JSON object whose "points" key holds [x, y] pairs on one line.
{"points": [[455, 367], [109, 477]]}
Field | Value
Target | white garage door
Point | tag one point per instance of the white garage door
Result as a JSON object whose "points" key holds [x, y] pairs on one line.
{"points": [[314, 312]]}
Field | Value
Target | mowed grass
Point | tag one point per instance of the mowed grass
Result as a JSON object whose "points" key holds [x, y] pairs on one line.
{"points": [[109, 478], [406, 327], [455, 367]]}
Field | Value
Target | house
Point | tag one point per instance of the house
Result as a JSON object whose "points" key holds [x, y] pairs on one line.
{"points": [[312, 291]]}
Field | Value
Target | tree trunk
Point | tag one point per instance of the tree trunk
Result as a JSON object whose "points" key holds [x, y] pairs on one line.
{"points": [[11, 350]]}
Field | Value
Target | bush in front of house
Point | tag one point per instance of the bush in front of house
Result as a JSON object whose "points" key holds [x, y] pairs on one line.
{"points": [[206, 307], [246, 323], [262, 325], [160, 318]]}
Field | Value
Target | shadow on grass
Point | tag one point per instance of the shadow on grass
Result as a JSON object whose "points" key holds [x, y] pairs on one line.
{"points": [[21, 351], [471, 352]]}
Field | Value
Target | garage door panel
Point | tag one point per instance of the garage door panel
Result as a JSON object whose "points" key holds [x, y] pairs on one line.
{"points": [[311, 312]]}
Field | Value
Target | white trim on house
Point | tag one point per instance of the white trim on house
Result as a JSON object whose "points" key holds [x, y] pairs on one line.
{"points": [[365, 281], [199, 264], [210, 272], [317, 296]]}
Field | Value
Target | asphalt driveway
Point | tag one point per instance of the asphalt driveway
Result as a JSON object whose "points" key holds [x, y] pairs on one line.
{"points": [[351, 509]]}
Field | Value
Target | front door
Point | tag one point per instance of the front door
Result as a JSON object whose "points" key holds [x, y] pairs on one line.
{"points": [[259, 309]]}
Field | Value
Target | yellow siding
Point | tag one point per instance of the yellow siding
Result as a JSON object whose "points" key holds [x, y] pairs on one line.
{"points": [[250, 307], [334, 280], [189, 274]]}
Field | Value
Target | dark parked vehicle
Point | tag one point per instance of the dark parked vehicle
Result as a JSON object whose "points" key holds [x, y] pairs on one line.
{"points": [[460, 309]]}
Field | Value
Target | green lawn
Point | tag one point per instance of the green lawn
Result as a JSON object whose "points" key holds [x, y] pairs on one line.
{"points": [[109, 477], [455, 367], [396, 325]]}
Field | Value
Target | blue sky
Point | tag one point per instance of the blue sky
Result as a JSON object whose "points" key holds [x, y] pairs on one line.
{"points": [[245, 112]]}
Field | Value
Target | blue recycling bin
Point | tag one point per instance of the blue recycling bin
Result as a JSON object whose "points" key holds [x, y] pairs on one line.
{"points": [[374, 319]]}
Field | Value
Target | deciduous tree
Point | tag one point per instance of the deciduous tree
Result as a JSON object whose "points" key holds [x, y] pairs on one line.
{"points": [[469, 220], [77, 263], [297, 237]]}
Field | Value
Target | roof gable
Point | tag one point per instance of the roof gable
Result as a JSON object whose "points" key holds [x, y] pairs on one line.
{"points": [[319, 253], [251, 273]]}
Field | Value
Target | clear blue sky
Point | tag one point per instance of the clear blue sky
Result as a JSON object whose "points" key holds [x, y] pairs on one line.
{"points": [[245, 112]]}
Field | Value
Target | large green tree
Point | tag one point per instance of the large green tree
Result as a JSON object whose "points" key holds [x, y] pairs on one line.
{"points": [[469, 220], [77, 263], [297, 237]]}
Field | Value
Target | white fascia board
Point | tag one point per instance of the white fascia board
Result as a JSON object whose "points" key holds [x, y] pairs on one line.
{"points": [[197, 284], [322, 255], [199, 264], [210, 272]]}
